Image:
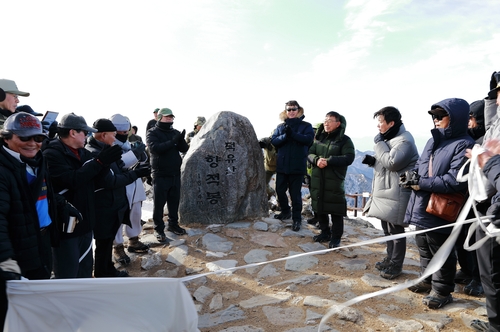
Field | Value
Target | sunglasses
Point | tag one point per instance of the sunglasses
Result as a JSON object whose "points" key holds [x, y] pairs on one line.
{"points": [[85, 132], [438, 117], [292, 109], [36, 138]]}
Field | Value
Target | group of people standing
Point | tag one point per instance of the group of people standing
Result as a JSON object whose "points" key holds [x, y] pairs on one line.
{"points": [[402, 186]]}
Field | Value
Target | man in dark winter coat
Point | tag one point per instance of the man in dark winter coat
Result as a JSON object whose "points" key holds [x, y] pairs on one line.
{"points": [[165, 145], [436, 171], [27, 205], [330, 154], [73, 171], [395, 153], [112, 207], [9, 103], [292, 139]]}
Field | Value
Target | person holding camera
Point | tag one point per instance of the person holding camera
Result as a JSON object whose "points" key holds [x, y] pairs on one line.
{"points": [[436, 171], [395, 153], [292, 139]]}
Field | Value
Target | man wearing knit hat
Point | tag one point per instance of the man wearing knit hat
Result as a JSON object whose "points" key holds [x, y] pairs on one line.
{"points": [[9, 103], [131, 157], [166, 144]]}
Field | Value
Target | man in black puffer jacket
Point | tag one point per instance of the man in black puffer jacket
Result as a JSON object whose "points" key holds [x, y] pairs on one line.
{"points": [[165, 145], [27, 205]]}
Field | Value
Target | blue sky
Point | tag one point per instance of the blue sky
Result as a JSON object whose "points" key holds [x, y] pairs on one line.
{"points": [[98, 58]]}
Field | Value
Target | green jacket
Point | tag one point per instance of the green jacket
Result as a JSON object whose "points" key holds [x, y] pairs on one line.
{"points": [[327, 184]]}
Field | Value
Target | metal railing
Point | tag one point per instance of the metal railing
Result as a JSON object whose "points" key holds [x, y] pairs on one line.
{"points": [[364, 198]]}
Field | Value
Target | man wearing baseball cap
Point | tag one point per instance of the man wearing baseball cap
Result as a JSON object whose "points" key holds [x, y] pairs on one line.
{"points": [[27, 214], [73, 171], [166, 144], [152, 122], [9, 103]]}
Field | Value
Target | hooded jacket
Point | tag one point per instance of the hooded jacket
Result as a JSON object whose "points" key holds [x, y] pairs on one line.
{"points": [[447, 150], [327, 184], [292, 150], [392, 158]]}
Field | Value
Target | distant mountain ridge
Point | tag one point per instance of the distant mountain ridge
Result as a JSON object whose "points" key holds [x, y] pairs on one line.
{"points": [[359, 177]]}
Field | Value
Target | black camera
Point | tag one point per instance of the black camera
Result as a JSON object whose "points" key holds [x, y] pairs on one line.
{"points": [[408, 179]]}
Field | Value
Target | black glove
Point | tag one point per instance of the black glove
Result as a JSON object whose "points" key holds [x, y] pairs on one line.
{"points": [[149, 180], [109, 155], [6, 275], [73, 212], [368, 160], [262, 144], [142, 170], [378, 138], [138, 149], [183, 134], [408, 179], [52, 129], [288, 131]]}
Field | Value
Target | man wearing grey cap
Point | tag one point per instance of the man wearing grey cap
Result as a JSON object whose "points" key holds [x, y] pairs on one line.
{"points": [[73, 171], [9, 104]]}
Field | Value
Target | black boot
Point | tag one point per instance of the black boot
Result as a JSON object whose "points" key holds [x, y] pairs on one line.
{"points": [[296, 225]]}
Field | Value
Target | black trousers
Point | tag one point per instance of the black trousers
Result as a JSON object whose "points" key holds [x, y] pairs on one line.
{"points": [[337, 225], [467, 259], [443, 280], [396, 249], [488, 258], [73, 259], [103, 265], [166, 190], [292, 182]]}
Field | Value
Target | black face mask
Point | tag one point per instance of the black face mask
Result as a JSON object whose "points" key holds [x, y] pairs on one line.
{"points": [[121, 138]]}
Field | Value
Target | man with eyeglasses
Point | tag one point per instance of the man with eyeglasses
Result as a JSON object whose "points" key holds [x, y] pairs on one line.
{"points": [[292, 139], [73, 171], [9, 103], [27, 214]]}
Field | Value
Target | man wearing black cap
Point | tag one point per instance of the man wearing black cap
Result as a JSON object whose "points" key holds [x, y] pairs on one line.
{"points": [[73, 171], [112, 207], [9, 103], [153, 121]]}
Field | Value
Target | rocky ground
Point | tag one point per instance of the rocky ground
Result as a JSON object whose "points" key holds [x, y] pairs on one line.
{"points": [[294, 294]]}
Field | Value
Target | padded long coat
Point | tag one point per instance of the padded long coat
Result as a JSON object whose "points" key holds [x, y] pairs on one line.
{"points": [[327, 184]]}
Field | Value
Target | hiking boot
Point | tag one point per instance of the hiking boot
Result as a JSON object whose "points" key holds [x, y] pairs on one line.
{"points": [[436, 301], [462, 278], [421, 287], [479, 325], [313, 221], [384, 264], [283, 215], [296, 225], [176, 229], [324, 236], [334, 243], [119, 255], [392, 271], [161, 237], [134, 245], [474, 288]]}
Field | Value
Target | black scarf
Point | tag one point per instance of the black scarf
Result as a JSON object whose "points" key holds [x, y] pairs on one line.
{"points": [[393, 131], [164, 125]]}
